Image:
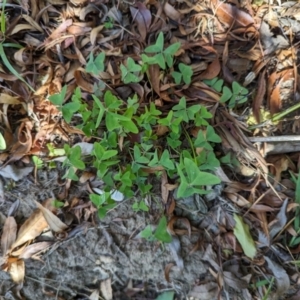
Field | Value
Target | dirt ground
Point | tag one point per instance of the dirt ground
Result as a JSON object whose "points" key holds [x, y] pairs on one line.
{"points": [[109, 249]]}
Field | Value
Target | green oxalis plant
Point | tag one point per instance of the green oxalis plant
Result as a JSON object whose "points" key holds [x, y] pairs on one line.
{"points": [[235, 95], [125, 169]]}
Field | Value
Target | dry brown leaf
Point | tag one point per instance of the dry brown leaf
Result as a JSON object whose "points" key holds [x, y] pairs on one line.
{"points": [[20, 27], [94, 34], [171, 12], [142, 17], [167, 270], [53, 221], [81, 82], [9, 234], [230, 14], [7, 99], [154, 77], [260, 95], [17, 271], [212, 70]]}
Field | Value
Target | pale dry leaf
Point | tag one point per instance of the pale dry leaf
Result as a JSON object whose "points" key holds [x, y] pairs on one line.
{"points": [[33, 249], [282, 278], [32, 228], [9, 234], [14, 173], [17, 271], [234, 282], [94, 295], [53, 221], [281, 220], [106, 289], [174, 247], [205, 291]]}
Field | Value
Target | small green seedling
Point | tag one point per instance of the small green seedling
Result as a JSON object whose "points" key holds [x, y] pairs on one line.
{"points": [[38, 163], [161, 57], [109, 24], [185, 74], [129, 72], [95, 66], [161, 233]]}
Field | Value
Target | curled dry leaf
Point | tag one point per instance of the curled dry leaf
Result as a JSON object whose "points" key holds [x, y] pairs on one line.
{"points": [[212, 70], [53, 221], [259, 97]]}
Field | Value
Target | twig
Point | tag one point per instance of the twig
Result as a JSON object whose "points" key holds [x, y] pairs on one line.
{"points": [[283, 138]]}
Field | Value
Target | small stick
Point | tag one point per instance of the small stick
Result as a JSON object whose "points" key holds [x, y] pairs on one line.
{"points": [[283, 138]]}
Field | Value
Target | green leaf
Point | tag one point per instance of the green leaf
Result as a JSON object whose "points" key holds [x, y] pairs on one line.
{"points": [[242, 233], [2, 142], [187, 73], [138, 156], [132, 66], [160, 60], [58, 99], [143, 206], [58, 204], [129, 126], [98, 200], [158, 46], [177, 77], [161, 232], [181, 105], [3, 19], [69, 109], [111, 121], [37, 162], [108, 154], [95, 66], [147, 232], [166, 161], [226, 94], [211, 135], [75, 158], [196, 177], [218, 85], [70, 174], [239, 89], [172, 49]]}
